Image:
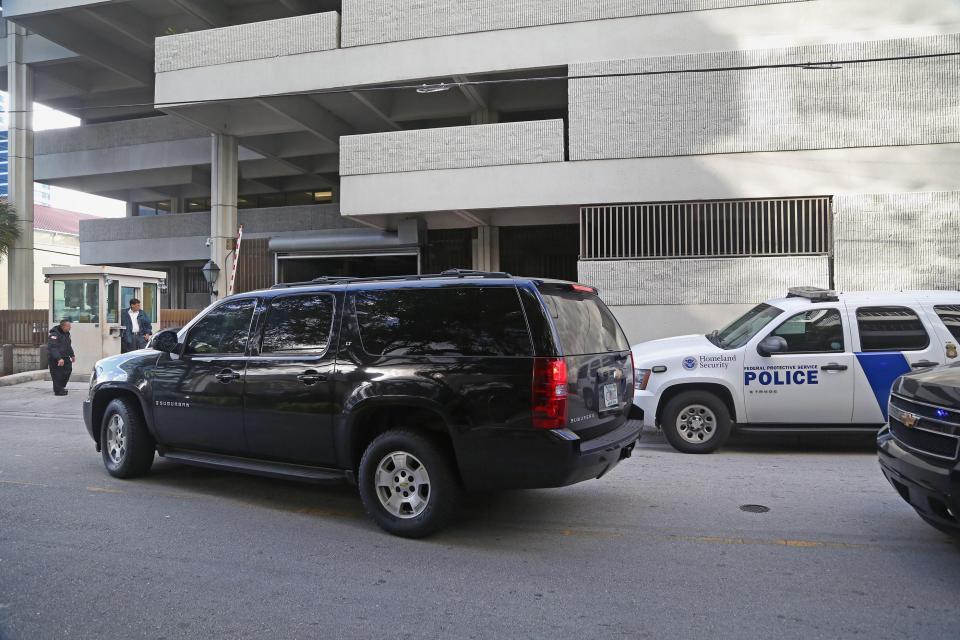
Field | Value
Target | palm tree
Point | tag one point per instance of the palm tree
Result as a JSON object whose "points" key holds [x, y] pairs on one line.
{"points": [[9, 227]]}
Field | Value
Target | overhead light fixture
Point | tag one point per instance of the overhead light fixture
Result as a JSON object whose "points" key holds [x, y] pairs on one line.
{"points": [[434, 88]]}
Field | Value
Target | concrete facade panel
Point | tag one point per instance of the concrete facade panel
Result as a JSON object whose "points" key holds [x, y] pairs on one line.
{"points": [[452, 148], [109, 135], [183, 236], [368, 22], [252, 41], [701, 281], [709, 177], [856, 105], [897, 241]]}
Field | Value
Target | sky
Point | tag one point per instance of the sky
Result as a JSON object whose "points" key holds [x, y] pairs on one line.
{"points": [[47, 118]]}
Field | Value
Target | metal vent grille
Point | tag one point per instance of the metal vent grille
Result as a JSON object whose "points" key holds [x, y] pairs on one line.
{"points": [[733, 228]]}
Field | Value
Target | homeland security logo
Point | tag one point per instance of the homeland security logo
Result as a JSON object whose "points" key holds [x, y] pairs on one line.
{"points": [[689, 363]]}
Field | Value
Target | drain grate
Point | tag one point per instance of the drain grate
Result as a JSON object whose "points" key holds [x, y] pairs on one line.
{"points": [[754, 508]]}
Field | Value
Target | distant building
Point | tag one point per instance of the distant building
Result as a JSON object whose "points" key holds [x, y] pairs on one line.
{"points": [[56, 238]]}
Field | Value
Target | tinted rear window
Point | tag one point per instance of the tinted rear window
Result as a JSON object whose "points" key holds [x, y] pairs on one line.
{"points": [[891, 329], [448, 321], [950, 315], [584, 324], [297, 324]]}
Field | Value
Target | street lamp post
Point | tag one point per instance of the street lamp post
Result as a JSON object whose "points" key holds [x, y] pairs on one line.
{"points": [[210, 273]]}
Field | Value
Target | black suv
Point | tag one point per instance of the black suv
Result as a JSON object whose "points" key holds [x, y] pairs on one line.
{"points": [[415, 388], [920, 446]]}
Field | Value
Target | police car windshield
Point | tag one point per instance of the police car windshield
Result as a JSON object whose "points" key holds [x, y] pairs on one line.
{"points": [[738, 333]]}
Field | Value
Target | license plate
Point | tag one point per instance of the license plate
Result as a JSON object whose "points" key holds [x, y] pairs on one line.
{"points": [[610, 398]]}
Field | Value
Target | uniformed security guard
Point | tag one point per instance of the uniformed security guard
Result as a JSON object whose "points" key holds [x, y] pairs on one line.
{"points": [[60, 356]]}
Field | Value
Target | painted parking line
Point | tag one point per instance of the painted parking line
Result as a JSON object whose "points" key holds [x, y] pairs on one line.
{"points": [[20, 483], [105, 490]]}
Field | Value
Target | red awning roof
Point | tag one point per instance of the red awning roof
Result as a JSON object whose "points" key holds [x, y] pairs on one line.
{"points": [[59, 220]]}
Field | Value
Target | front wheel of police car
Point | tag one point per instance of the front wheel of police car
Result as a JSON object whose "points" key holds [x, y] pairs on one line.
{"points": [[696, 422]]}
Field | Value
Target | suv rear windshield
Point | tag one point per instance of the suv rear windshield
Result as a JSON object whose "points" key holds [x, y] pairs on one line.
{"points": [[444, 321], [584, 323]]}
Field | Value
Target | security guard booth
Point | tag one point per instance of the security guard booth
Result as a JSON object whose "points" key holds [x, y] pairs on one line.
{"points": [[93, 299]]}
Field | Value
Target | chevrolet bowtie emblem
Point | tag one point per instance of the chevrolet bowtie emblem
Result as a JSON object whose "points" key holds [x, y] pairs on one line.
{"points": [[910, 419]]}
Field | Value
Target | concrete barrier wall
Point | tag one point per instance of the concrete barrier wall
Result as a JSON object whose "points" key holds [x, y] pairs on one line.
{"points": [[897, 241], [452, 148], [24, 359], [701, 281], [907, 102], [252, 41], [377, 21]]}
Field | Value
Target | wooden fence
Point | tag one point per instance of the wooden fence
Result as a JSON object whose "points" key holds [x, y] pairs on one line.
{"points": [[173, 318], [24, 328]]}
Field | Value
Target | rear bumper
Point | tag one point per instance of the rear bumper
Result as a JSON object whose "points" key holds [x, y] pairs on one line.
{"points": [[541, 459], [932, 490]]}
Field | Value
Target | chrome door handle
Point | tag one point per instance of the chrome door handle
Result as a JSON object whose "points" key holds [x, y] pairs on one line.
{"points": [[311, 377], [923, 364], [833, 366], [227, 376]]}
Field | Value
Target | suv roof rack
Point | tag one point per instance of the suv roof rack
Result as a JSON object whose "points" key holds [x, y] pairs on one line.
{"points": [[449, 273], [813, 294]]}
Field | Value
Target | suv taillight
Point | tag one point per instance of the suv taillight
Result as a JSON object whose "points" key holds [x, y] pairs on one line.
{"points": [[549, 393]]}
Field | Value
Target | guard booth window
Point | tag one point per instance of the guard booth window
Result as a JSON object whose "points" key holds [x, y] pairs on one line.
{"points": [[891, 329], [77, 300]]}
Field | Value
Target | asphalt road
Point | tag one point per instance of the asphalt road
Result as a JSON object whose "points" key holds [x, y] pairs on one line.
{"points": [[659, 548]]}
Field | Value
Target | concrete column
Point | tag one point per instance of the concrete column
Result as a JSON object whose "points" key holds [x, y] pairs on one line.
{"points": [[131, 209], [485, 116], [223, 207], [486, 249], [20, 273]]}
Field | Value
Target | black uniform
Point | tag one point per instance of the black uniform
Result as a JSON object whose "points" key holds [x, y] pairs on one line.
{"points": [[59, 347]]}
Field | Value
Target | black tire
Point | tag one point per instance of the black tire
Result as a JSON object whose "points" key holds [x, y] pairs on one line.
{"points": [[706, 417], [953, 532], [135, 456], [431, 510]]}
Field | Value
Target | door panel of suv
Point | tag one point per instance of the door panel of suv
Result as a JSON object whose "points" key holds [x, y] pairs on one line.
{"points": [[288, 401], [811, 382], [198, 394], [893, 340]]}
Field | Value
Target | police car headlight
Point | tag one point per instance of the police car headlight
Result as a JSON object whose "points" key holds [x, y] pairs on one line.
{"points": [[640, 378]]}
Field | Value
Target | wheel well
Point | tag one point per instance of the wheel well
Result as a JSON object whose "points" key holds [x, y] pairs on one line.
{"points": [[104, 398], [372, 422], [716, 389]]}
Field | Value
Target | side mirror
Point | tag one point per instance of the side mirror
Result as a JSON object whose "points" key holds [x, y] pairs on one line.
{"points": [[771, 345], [166, 341]]}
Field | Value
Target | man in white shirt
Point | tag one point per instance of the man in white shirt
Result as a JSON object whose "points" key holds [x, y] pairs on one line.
{"points": [[136, 328]]}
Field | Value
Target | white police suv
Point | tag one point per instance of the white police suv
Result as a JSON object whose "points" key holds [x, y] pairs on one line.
{"points": [[813, 361]]}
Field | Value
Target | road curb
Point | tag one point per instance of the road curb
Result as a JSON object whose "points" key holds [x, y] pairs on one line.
{"points": [[26, 376]]}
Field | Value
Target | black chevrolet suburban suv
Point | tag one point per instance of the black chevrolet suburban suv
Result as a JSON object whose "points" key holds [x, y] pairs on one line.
{"points": [[415, 388], [920, 446]]}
